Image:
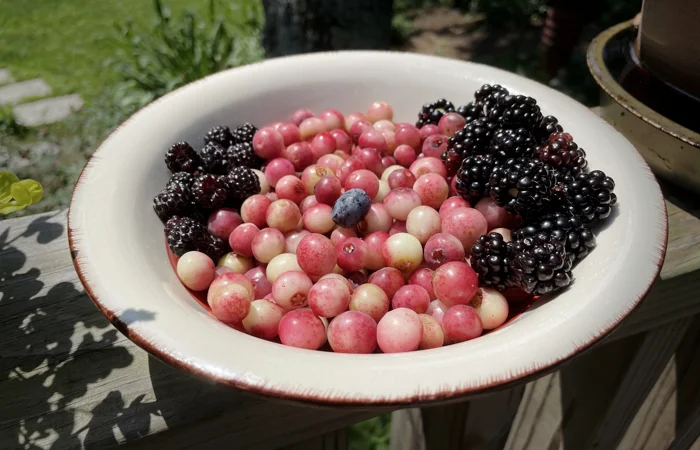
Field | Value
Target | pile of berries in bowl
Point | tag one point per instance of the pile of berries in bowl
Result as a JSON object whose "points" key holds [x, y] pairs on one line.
{"points": [[357, 234]]}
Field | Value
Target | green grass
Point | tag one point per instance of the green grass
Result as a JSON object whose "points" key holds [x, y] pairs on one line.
{"points": [[67, 42]]}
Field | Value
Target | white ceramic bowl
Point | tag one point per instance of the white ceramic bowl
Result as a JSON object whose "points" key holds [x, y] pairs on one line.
{"points": [[119, 251]]}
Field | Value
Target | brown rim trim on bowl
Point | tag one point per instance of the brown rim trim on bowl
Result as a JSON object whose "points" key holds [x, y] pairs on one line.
{"points": [[445, 394], [600, 72]]}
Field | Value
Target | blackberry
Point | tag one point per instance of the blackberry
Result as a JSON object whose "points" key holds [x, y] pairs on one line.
{"points": [[473, 139], [522, 185], [577, 238], [431, 113], [561, 152], [214, 247], [244, 134], [172, 202], [590, 195], [516, 111], [181, 157], [180, 181], [453, 161], [490, 258], [539, 264], [220, 135], [214, 158], [242, 155], [242, 183], [474, 175], [547, 126], [209, 191], [471, 111], [185, 235], [512, 143], [488, 97]]}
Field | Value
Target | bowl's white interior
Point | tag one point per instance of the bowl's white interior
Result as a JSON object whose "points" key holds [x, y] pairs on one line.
{"points": [[122, 254]]}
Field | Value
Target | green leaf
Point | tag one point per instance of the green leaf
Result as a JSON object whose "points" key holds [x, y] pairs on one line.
{"points": [[11, 207], [34, 188], [6, 181], [21, 194]]}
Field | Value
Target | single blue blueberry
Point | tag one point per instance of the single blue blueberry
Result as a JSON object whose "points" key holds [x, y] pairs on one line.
{"points": [[351, 207]]}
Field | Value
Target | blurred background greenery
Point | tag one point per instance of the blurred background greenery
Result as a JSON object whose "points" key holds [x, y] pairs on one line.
{"points": [[121, 54]]}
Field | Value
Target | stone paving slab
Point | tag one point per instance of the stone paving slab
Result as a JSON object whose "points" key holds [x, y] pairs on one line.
{"points": [[43, 112], [6, 76], [15, 92], [15, 158]]}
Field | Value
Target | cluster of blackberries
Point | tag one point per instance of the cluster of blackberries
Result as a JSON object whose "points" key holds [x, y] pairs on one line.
{"points": [[219, 175], [525, 162]]}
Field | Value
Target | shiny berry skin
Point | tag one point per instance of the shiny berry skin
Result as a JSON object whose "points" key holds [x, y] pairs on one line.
{"points": [[299, 154], [358, 128], [264, 185], [403, 178], [375, 242], [423, 222], [291, 290], [389, 279], [332, 118], [302, 328], [432, 189], [267, 244], [407, 135], [380, 110], [462, 323], [491, 306], [370, 158], [451, 123], [434, 146], [388, 171], [331, 161], [283, 214], [322, 144], [413, 297], [388, 161], [466, 224], [496, 216], [308, 202], [290, 133], [352, 254], [284, 262], [311, 127], [402, 251], [400, 330], [196, 270], [319, 219], [353, 332], [376, 219], [427, 165], [371, 300], [390, 139], [263, 319], [329, 297], [433, 335], [363, 179], [428, 130], [278, 168], [237, 263], [292, 239], [423, 277], [268, 143], [381, 125], [339, 234], [399, 226], [373, 139], [222, 222], [442, 248], [348, 167], [351, 207], [229, 301], [241, 239], [455, 283], [254, 210], [405, 155], [312, 174], [290, 187], [451, 204], [382, 193], [352, 118], [328, 190], [437, 310], [343, 141], [258, 278], [299, 115], [400, 202], [316, 255]]}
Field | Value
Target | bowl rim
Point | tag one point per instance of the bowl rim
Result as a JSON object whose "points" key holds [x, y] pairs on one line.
{"points": [[439, 395], [601, 74]]}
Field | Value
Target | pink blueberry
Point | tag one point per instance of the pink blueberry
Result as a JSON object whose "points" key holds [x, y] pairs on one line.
{"points": [[353, 332], [400, 330]]}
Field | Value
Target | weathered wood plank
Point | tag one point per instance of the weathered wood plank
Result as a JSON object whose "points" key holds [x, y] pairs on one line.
{"points": [[683, 253], [335, 440]]}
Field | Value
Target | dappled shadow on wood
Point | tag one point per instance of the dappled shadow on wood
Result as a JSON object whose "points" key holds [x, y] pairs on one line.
{"points": [[55, 346]]}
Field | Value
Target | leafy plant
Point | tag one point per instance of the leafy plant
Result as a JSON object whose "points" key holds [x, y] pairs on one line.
{"points": [[503, 13], [9, 125], [176, 52], [372, 434], [16, 194]]}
